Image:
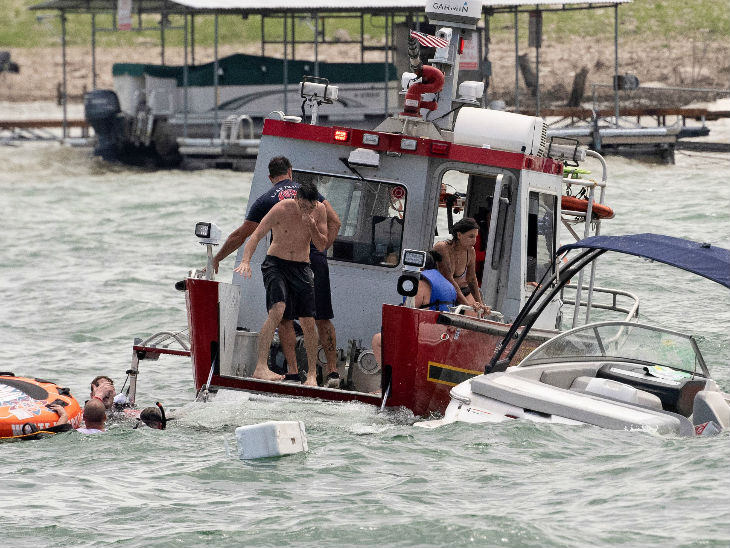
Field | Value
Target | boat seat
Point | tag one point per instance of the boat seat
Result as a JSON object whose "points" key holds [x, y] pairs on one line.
{"points": [[676, 396], [532, 395], [563, 377], [615, 390]]}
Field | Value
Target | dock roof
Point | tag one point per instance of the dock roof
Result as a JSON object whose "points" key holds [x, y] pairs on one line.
{"points": [[300, 6]]}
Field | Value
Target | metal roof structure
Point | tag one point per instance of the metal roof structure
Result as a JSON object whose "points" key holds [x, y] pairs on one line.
{"points": [[290, 9], [303, 6]]}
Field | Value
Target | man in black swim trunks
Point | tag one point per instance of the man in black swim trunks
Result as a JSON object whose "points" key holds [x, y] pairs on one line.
{"points": [[280, 175], [287, 272]]}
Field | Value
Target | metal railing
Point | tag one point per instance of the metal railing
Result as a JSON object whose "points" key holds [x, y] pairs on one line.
{"points": [[630, 309]]}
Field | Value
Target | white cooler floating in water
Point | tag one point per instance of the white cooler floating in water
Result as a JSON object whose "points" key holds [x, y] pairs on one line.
{"points": [[271, 439]]}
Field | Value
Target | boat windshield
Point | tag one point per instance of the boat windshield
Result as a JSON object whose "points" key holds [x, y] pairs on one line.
{"points": [[622, 341]]}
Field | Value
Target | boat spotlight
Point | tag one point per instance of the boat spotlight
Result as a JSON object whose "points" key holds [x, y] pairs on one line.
{"points": [[209, 233], [316, 91], [319, 90], [413, 261]]}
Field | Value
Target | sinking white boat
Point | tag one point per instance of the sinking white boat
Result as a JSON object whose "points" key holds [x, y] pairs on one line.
{"points": [[613, 374]]}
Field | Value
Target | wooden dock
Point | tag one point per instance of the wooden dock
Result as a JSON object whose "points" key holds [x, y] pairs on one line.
{"points": [[39, 124], [19, 131], [580, 113]]}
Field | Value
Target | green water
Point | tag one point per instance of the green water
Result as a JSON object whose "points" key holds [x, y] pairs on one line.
{"points": [[88, 258]]}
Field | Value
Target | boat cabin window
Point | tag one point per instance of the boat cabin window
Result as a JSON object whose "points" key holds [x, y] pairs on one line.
{"points": [[472, 195], [371, 213], [541, 229]]}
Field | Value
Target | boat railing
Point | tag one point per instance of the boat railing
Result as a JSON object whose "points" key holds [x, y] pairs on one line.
{"points": [[574, 217], [164, 342], [589, 221], [232, 127], [630, 309], [232, 135]]}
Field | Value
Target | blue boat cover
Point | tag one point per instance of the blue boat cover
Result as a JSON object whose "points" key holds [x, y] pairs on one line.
{"points": [[703, 259]]}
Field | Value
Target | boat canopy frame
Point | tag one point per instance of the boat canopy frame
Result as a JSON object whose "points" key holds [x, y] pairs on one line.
{"points": [[703, 259]]}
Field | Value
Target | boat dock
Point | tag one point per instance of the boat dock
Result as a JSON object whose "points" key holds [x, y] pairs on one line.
{"points": [[566, 123], [173, 114], [599, 130], [16, 131]]}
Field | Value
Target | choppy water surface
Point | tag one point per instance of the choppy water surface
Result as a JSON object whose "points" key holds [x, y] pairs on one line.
{"points": [[88, 257]]}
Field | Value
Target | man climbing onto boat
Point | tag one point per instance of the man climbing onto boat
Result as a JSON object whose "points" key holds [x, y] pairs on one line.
{"points": [[280, 175], [287, 273]]}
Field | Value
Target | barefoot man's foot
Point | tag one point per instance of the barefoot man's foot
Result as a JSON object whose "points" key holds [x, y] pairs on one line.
{"points": [[311, 381], [265, 374]]}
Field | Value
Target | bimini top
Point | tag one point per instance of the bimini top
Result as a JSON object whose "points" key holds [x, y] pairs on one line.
{"points": [[703, 259]]}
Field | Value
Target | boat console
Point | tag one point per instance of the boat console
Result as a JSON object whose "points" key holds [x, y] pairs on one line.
{"points": [[676, 394]]}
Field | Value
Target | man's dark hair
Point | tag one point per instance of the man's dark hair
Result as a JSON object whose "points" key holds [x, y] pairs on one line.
{"points": [[308, 191], [152, 416], [279, 166], [98, 378]]}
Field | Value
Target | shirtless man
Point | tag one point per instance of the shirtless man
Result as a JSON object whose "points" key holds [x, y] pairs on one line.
{"points": [[287, 274], [280, 175]]}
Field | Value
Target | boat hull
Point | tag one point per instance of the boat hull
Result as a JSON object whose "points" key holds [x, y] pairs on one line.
{"points": [[424, 354]]}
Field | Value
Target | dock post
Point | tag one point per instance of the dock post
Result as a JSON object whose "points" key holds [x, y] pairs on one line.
{"points": [[517, 64], [64, 93], [615, 63], [93, 51]]}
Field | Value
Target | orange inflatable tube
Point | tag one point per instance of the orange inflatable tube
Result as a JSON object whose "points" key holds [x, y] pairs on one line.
{"points": [[571, 203], [23, 406]]}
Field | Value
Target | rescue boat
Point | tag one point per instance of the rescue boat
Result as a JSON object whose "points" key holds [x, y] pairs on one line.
{"points": [[386, 185], [24, 406]]}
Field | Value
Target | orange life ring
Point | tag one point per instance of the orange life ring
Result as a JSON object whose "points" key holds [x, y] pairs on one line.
{"points": [[571, 203], [23, 402]]}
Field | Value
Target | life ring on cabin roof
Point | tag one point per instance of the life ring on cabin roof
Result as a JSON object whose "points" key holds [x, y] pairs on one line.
{"points": [[23, 401], [571, 203]]}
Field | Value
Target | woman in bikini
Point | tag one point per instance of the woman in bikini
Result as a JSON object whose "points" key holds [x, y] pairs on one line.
{"points": [[458, 263]]}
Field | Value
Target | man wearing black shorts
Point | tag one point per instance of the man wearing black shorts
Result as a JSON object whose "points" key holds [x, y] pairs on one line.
{"points": [[280, 175], [288, 277]]}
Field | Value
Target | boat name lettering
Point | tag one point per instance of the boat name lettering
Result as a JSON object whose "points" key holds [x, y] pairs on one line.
{"points": [[448, 7]]}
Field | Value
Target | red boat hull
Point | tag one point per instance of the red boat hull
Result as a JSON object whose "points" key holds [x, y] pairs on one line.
{"points": [[423, 357]]}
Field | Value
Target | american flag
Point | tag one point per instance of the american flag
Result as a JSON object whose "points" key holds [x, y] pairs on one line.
{"points": [[428, 40]]}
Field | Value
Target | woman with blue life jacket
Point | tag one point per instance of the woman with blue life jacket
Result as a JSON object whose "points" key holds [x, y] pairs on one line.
{"points": [[435, 292]]}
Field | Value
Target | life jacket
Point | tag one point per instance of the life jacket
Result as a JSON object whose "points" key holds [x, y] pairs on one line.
{"points": [[443, 293]]}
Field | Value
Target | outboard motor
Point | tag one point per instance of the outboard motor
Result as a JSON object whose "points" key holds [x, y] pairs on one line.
{"points": [[101, 110]]}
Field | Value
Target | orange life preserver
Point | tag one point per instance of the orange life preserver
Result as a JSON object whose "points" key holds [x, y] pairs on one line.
{"points": [[23, 401], [571, 203]]}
